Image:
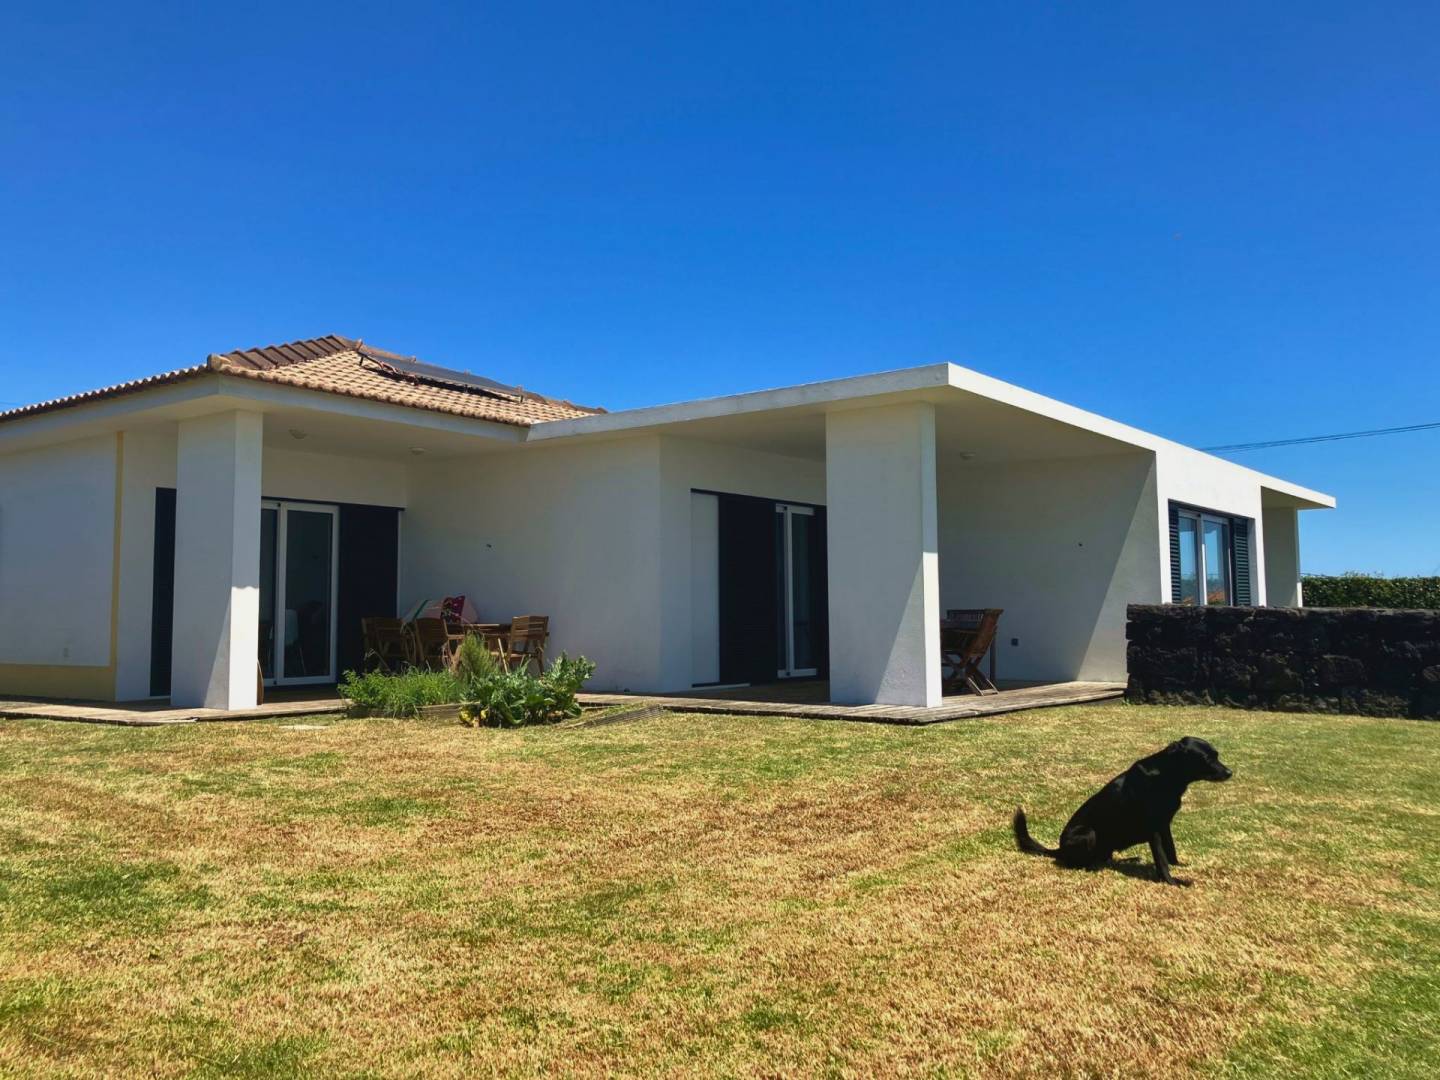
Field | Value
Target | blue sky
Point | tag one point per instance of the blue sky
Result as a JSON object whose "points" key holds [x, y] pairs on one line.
{"points": [[1221, 224]]}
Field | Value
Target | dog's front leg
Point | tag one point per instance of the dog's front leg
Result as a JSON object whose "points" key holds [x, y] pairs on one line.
{"points": [[1162, 864], [1169, 841]]}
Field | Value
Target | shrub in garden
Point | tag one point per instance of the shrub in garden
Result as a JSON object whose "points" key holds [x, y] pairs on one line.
{"points": [[486, 692], [510, 699], [402, 694], [475, 665], [1370, 590]]}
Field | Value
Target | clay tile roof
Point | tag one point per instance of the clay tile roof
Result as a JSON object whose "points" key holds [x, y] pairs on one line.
{"points": [[340, 365]]}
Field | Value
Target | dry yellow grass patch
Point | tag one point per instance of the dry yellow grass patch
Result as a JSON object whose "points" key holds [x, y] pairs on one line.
{"points": [[696, 895]]}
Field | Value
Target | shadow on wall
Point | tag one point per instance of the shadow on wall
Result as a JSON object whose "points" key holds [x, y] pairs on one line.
{"points": [[1062, 546]]}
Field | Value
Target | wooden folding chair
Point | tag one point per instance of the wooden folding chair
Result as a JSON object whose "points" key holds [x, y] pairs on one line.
{"points": [[429, 643], [525, 643], [964, 640], [386, 644], [456, 632]]}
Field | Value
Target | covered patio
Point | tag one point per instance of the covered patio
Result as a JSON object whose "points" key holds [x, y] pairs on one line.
{"points": [[930, 490]]}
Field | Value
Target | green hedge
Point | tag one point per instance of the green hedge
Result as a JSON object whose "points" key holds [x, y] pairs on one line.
{"points": [[1371, 590]]}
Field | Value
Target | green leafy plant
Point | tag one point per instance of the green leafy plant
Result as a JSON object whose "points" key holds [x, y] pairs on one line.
{"points": [[475, 665], [513, 698], [402, 694], [1370, 590], [486, 692]]}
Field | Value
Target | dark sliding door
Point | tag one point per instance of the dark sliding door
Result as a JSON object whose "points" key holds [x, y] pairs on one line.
{"points": [[369, 569], [162, 593], [773, 608], [748, 567], [367, 578]]}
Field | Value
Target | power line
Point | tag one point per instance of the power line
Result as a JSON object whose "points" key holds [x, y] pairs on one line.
{"points": [[1236, 448]]}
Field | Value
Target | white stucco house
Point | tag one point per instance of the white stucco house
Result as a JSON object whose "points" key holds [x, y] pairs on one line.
{"points": [[159, 536]]}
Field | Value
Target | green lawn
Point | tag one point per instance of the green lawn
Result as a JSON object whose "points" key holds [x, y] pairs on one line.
{"points": [[710, 895]]}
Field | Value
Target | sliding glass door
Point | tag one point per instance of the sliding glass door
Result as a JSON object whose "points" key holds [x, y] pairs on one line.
{"points": [[794, 583], [1206, 575], [758, 598], [298, 556]]}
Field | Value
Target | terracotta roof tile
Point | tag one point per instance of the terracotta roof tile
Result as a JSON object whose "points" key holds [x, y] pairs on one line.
{"points": [[339, 365], [109, 391]]}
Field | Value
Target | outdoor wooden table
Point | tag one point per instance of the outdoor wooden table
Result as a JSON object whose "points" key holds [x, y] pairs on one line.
{"points": [[496, 634]]}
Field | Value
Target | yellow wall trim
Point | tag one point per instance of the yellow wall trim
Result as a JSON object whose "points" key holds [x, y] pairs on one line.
{"points": [[57, 681]]}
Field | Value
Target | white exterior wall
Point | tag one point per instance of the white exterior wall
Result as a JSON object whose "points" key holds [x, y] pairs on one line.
{"points": [[57, 541], [299, 474], [149, 464], [572, 532], [1062, 547], [1196, 479], [689, 617], [884, 579], [1282, 556]]}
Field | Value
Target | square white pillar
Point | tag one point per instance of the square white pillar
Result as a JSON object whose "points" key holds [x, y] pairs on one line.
{"points": [[1281, 554], [884, 566], [217, 562]]}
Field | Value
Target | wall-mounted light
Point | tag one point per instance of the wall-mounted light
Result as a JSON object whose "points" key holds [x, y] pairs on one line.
{"points": [[297, 434], [418, 450], [967, 455]]}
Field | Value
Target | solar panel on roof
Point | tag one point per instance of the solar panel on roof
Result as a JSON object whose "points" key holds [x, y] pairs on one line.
{"points": [[436, 374]]}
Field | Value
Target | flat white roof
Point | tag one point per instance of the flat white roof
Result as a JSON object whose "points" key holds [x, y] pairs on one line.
{"points": [[931, 381]]}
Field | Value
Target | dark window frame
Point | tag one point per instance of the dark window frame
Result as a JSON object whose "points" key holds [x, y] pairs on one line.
{"points": [[1241, 570]]}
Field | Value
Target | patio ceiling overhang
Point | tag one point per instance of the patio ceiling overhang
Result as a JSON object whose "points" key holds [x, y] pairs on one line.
{"points": [[1293, 497]]}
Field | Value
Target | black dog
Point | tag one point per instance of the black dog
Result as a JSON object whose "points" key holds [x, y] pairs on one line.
{"points": [[1136, 807]]}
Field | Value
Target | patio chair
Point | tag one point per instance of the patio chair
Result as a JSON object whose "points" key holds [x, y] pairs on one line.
{"points": [[525, 643], [429, 644], [964, 641], [456, 631], [387, 644]]}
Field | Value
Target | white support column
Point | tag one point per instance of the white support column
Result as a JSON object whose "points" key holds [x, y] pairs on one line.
{"points": [[884, 570], [1281, 526], [217, 562]]}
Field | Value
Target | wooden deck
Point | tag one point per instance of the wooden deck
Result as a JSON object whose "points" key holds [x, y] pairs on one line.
{"points": [[809, 699], [806, 699], [298, 701]]}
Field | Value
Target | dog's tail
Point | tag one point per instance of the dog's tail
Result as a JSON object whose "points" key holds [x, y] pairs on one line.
{"points": [[1025, 842]]}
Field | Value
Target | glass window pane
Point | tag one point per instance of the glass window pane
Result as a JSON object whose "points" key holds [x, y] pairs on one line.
{"points": [[800, 538], [1189, 562], [1217, 562], [306, 627], [781, 661]]}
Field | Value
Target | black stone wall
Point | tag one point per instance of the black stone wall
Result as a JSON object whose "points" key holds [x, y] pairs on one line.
{"points": [[1370, 661]]}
